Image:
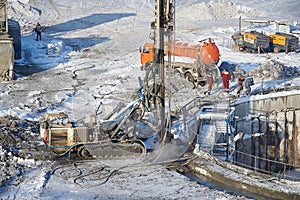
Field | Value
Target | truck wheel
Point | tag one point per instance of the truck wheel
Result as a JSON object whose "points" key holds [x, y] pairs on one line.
{"points": [[83, 152], [177, 74], [188, 76], [276, 50]]}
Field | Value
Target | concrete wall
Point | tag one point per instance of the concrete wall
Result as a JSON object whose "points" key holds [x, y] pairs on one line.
{"points": [[273, 135], [267, 103]]}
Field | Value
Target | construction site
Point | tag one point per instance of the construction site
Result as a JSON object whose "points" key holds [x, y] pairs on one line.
{"points": [[133, 102]]}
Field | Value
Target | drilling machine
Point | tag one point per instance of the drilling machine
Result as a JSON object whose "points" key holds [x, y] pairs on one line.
{"points": [[115, 134]]}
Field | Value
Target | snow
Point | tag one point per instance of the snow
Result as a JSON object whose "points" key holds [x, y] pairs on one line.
{"points": [[100, 64]]}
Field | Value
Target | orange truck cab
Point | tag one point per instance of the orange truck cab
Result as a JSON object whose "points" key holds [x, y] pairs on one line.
{"points": [[207, 51], [192, 61], [147, 53]]}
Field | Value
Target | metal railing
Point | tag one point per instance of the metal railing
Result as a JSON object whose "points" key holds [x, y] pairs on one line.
{"points": [[278, 169], [287, 170]]}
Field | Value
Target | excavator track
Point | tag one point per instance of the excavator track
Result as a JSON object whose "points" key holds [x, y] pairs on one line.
{"points": [[108, 149]]}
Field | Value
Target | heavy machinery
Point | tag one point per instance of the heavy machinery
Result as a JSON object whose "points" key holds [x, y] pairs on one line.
{"points": [[108, 136], [127, 129], [10, 43], [191, 61], [283, 42], [252, 41], [6, 45]]}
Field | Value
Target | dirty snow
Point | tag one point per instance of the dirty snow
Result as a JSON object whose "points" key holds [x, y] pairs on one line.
{"points": [[100, 64]]}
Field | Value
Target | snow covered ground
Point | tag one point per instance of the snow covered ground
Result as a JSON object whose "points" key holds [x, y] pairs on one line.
{"points": [[100, 64]]}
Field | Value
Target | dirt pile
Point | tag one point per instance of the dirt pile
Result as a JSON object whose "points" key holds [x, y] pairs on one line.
{"points": [[273, 69], [20, 148]]}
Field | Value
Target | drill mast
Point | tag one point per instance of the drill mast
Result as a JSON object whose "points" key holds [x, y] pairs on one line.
{"points": [[163, 26]]}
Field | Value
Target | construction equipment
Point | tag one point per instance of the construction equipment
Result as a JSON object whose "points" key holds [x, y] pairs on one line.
{"points": [[10, 43], [123, 131], [252, 41], [191, 61], [90, 138], [117, 133], [6, 45], [283, 42]]}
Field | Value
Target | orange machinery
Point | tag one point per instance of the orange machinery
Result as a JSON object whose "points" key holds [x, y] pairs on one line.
{"points": [[204, 56], [207, 50]]}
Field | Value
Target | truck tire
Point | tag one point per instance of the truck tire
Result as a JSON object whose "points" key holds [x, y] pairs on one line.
{"points": [[188, 76], [177, 74], [83, 152], [276, 50]]}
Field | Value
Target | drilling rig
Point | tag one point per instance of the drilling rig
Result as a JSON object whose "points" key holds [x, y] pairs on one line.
{"points": [[116, 133], [162, 27]]}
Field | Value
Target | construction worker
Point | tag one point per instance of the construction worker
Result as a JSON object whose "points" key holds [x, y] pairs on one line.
{"points": [[248, 83], [38, 29], [240, 87], [225, 79], [209, 82]]}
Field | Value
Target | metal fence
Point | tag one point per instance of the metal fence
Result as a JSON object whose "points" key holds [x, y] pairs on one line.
{"points": [[255, 160], [287, 170]]}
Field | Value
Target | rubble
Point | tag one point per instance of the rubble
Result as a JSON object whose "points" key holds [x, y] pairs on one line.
{"points": [[20, 148], [273, 69]]}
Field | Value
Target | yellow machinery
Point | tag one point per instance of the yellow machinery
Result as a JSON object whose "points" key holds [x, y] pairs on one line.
{"points": [[283, 42], [252, 41]]}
